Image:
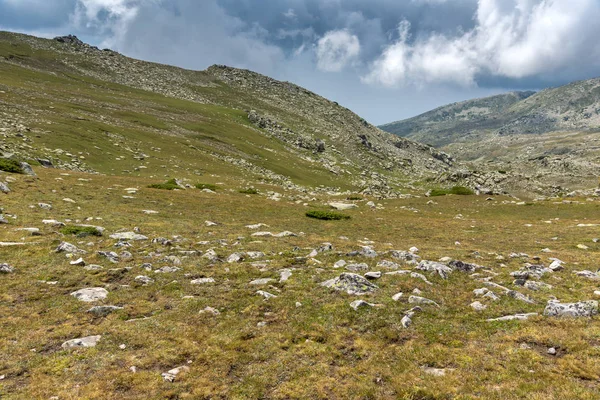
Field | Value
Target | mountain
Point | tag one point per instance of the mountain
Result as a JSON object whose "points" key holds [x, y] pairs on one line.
{"points": [[96, 110], [573, 107], [550, 137], [452, 122]]}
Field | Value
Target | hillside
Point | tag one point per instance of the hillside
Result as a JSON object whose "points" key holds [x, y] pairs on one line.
{"points": [[96, 110], [173, 234]]}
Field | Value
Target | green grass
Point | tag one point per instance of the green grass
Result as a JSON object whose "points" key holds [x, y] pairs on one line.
{"points": [[171, 184], [80, 231], [327, 215], [12, 166]]}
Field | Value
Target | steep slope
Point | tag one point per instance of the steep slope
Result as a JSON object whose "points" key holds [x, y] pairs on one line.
{"points": [[80, 107]]}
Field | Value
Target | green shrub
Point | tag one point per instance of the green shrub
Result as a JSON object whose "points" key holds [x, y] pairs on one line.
{"points": [[249, 191], [461, 190], [326, 215], [8, 165], [354, 198], [80, 231], [458, 190], [171, 184], [206, 186]]}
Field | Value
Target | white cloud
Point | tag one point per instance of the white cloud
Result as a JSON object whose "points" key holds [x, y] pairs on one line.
{"points": [[336, 49], [512, 38]]}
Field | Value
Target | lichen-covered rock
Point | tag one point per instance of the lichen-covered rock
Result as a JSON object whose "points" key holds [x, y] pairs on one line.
{"points": [[65, 247], [128, 236], [6, 269], [351, 284], [579, 309], [431, 266]]}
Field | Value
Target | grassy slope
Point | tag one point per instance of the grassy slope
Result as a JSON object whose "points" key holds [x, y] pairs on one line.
{"points": [[323, 349]]}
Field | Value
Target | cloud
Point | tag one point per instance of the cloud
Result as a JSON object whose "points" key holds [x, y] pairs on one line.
{"points": [[511, 38], [336, 49]]}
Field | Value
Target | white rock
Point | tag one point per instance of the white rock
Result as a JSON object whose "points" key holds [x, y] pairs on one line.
{"points": [[477, 306], [89, 341], [128, 236], [201, 281], [90, 294], [342, 206], [397, 296]]}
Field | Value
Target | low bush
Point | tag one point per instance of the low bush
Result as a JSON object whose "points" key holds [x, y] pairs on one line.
{"points": [[354, 198], [249, 191], [326, 215], [458, 190], [461, 190], [8, 165], [80, 231], [171, 184], [206, 186]]}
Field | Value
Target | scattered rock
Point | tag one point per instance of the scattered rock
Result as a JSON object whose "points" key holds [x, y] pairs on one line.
{"points": [[518, 317], [90, 294], [421, 300], [171, 374], [580, 309], [103, 311], [342, 206], [144, 280], [356, 304], [432, 266], [128, 236], [6, 269], [263, 281], [89, 341], [373, 275], [478, 306], [68, 248], [351, 284], [266, 295], [201, 281]]}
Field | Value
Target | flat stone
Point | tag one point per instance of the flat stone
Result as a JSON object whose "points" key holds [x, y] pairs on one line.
{"points": [[103, 311], [373, 275], [342, 206], [431, 266], [69, 248], [90, 294], [421, 300], [266, 295], [201, 281], [89, 341], [356, 304], [515, 317], [262, 281], [144, 280], [128, 236]]}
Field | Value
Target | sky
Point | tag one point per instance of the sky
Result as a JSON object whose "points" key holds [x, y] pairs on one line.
{"points": [[384, 59]]}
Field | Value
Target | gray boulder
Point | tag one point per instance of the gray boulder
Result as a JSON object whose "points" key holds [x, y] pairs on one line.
{"points": [[351, 284], [4, 188], [579, 309], [27, 169], [431, 266]]}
